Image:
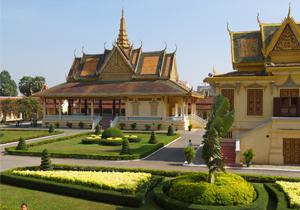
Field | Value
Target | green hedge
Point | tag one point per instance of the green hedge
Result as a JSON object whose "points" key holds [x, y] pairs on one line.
{"points": [[168, 203], [268, 179], [111, 142], [79, 191], [277, 195], [112, 132]]}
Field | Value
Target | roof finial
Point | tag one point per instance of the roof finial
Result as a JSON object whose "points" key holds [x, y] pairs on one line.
{"points": [[105, 46], [175, 49], [214, 70], [166, 45], [74, 53], [257, 17], [289, 13], [82, 50], [228, 29], [122, 38], [141, 43]]}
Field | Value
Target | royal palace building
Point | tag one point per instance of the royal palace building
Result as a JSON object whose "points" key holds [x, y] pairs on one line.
{"points": [[122, 86], [263, 91]]}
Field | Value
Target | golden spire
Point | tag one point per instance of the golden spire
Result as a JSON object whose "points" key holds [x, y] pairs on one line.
{"points": [[122, 41]]}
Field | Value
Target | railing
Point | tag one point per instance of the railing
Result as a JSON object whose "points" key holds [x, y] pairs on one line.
{"points": [[114, 122], [175, 118], [197, 118], [286, 107], [144, 118], [70, 117]]}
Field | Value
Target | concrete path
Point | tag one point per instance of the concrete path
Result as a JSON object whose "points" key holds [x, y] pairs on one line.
{"points": [[168, 158]]}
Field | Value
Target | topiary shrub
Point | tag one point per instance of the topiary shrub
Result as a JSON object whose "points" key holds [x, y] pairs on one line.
{"points": [[112, 132], [147, 127], [51, 128], [46, 162], [34, 123], [159, 126], [132, 138], [122, 126], [228, 190], [112, 141], [189, 153], [22, 144], [92, 139], [170, 131], [57, 125], [69, 124], [81, 124], [248, 156], [152, 139], [190, 127], [97, 130], [133, 126], [125, 147]]}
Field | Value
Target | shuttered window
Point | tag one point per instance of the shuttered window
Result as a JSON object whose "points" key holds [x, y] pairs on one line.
{"points": [[229, 93], [254, 101]]}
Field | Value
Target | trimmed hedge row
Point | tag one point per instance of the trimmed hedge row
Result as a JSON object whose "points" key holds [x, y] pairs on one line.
{"points": [[277, 195], [33, 136], [166, 173], [168, 203], [109, 196]]}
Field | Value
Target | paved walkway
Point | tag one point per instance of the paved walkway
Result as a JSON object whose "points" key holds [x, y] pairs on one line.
{"points": [[168, 158]]}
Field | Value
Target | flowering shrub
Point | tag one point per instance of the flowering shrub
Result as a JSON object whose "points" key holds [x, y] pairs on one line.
{"points": [[292, 189], [117, 181], [114, 138]]}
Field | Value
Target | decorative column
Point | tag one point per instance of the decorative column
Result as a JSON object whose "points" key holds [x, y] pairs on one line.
{"points": [[120, 108], [59, 108], [44, 109], [176, 110], [92, 109]]}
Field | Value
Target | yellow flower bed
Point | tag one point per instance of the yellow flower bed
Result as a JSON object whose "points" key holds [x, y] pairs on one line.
{"points": [[131, 136], [114, 138], [117, 181], [292, 189]]}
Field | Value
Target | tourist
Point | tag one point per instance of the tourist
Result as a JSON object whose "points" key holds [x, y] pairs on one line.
{"points": [[24, 206]]}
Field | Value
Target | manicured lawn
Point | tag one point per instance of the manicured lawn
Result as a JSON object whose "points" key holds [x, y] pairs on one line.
{"points": [[75, 146], [11, 198], [14, 135]]}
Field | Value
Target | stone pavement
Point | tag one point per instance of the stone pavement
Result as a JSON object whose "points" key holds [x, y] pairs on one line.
{"points": [[168, 158]]}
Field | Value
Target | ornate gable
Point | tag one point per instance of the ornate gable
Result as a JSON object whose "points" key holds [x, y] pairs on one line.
{"points": [[287, 40], [116, 67]]}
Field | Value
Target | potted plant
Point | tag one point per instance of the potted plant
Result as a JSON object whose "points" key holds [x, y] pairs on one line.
{"points": [[147, 127], [159, 126], [122, 126], [133, 126], [81, 124], [248, 156]]}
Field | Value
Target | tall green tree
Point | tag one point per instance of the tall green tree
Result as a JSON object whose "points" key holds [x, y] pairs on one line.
{"points": [[30, 85], [30, 107], [218, 125], [7, 106], [8, 86]]}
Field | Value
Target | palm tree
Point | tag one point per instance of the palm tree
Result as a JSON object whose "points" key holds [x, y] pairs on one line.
{"points": [[218, 125]]}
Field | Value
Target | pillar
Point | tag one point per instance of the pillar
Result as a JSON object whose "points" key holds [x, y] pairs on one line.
{"points": [[92, 109], [59, 108], [114, 107], [176, 110], [120, 108], [44, 109]]}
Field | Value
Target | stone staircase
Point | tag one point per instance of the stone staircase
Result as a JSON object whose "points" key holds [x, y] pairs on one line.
{"points": [[228, 152], [105, 121]]}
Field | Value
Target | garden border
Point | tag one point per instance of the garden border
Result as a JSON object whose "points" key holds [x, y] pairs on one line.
{"points": [[13, 151], [80, 191], [278, 196], [168, 203]]}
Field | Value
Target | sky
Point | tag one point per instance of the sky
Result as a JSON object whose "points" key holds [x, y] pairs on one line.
{"points": [[38, 37]]}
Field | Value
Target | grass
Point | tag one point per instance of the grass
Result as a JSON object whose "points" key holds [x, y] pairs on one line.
{"points": [[12, 197], [15, 134], [75, 146]]}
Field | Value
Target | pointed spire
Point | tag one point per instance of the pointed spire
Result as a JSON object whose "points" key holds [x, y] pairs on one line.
{"points": [[122, 41], [289, 13]]}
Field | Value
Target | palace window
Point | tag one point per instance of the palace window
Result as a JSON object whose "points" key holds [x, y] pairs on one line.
{"points": [[229, 93], [153, 108], [254, 101], [135, 108]]}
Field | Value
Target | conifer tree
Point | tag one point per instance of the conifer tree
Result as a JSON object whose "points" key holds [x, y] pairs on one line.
{"points": [[152, 139], [45, 161], [97, 130], [170, 131], [22, 144], [51, 128], [125, 147], [218, 125]]}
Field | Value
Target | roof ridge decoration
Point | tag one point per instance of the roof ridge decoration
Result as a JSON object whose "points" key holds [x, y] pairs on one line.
{"points": [[288, 21], [122, 41]]}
